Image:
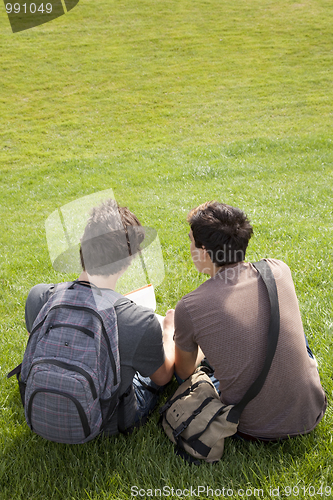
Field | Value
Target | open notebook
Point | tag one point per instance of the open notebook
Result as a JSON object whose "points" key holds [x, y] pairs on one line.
{"points": [[145, 296]]}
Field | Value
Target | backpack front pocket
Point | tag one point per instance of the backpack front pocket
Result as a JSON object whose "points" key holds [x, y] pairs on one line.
{"points": [[61, 402]]}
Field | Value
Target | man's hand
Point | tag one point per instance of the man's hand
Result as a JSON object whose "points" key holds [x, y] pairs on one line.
{"points": [[168, 331], [169, 322]]}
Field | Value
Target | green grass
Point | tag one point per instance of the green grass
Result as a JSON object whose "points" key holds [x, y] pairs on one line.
{"points": [[169, 104]]}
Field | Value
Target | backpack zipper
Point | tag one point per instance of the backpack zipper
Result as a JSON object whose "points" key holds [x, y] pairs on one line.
{"points": [[81, 412], [68, 366], [76, 327], [92, 311]]}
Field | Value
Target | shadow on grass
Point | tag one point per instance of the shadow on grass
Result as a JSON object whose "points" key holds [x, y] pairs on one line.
{"points": [[32, 468]]}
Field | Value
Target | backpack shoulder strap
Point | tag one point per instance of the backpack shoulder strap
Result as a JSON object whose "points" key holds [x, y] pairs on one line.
{"points": [[266, 274], [16, 371]]}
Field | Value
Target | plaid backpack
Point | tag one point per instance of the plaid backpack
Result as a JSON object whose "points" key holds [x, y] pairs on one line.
{"points": [[70, 374]]}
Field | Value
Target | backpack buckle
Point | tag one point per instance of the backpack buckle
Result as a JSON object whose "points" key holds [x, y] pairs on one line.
{"points": [[179, 429]]}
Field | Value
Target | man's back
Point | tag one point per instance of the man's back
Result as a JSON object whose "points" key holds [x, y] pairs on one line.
{"points": [[140, 343], [228, 317]]}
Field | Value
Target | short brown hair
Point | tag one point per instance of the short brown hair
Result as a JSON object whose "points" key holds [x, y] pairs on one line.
{"points": [[224, 231], [111, 238]]}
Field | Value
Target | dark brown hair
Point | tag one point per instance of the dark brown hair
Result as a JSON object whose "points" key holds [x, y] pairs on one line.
{"points": [[111, 238], [224, 231]]}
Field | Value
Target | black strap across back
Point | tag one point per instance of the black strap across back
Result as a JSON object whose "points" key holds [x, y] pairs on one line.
{"points": [[273, 334]]}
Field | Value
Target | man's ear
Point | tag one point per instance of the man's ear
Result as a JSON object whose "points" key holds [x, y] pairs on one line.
{"points": [[205, 253]]}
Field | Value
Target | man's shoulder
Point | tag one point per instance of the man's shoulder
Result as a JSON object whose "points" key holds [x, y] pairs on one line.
{"points": [[191, 300], [188, 297], [131, 315], [127, 304], [278, 267], [277, 262]]}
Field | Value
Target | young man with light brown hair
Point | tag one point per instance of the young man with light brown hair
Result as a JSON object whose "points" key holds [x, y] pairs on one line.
{"points": [[110, 241]]}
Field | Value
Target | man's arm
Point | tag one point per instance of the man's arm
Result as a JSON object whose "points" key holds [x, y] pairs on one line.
{"points": [[187, 362], [164, 373], [38, 296]]}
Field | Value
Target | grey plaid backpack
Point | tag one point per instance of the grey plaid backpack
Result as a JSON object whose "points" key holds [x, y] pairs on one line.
{"points": [[70, 374]]}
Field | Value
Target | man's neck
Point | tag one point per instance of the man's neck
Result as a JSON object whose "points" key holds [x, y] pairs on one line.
{"points": [[215, 269], [221, 268], [99, 280]]}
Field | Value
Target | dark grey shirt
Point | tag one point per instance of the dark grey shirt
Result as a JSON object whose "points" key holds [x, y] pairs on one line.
{"points": [[140, 342]]}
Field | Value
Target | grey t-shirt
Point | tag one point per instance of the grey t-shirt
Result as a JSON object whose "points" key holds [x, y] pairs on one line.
{"points": [[140, 343]]}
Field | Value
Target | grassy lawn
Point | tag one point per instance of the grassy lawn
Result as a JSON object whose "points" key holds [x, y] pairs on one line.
{"points": [[169, 104]]}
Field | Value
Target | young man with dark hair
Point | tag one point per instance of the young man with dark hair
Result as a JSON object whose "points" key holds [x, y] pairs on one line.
{"points": [[226, 321], [111, 240]]}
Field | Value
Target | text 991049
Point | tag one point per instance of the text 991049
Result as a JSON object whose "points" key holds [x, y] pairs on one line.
{"points": [[25, 14]]}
